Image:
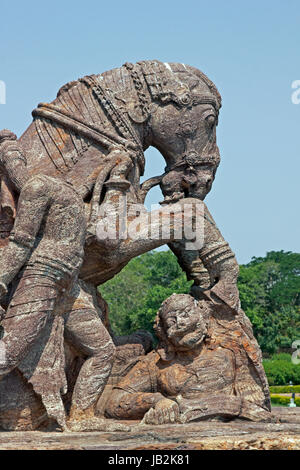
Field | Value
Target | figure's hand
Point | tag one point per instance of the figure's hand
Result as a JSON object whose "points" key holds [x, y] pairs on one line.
{"points": [[234, 297], [165, 411], [7, 140], [227, 292]]}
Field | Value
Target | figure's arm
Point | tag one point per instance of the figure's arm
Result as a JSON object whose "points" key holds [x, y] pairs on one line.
{"points": [[216, 254], [215, 405], [32, 205], [220, 262], [133, 396], [221, 406], [213, 264], [131, 405]]}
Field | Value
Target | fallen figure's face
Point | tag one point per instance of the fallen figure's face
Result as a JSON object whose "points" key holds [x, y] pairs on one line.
{"points": [[183, 324]]}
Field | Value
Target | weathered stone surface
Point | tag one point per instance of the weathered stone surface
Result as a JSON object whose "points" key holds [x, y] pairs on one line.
{"points": [[84, 154], [207, 365], [208, 435]]}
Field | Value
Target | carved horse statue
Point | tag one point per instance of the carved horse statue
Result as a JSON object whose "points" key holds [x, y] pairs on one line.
{"points": [[93, 136]]}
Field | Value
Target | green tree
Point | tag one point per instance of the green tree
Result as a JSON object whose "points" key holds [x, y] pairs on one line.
{"points": [[125, 293], [270, 295], [136, 293], [269, 290]]}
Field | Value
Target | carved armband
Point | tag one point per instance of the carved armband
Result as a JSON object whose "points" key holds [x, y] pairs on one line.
{"points": [[216, 254]]}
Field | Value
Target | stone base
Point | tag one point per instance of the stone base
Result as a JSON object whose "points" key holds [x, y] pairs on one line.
{"points": [[213, 435]]}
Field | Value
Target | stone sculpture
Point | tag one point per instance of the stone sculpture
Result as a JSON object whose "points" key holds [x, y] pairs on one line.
{"points": [[205, 366], [65, 187]]}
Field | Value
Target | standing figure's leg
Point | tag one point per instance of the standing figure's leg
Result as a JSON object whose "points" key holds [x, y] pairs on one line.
{"points": [[23, 322], [30, 320], [86, 332]]}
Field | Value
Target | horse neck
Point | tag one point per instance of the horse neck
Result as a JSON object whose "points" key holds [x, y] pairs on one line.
{"points": [[58, 151]]}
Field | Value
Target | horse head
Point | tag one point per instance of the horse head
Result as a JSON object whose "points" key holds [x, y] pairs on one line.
{"points": [[183, 128]]}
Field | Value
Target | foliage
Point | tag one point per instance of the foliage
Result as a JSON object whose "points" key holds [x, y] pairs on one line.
{"points": [[270, 296], [280, 370], [280, 400], [136, 293], [269, 291], [285, 389]]}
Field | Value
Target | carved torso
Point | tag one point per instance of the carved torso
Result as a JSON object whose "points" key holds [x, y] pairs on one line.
{"points": [[213, 370], [61, 234]]}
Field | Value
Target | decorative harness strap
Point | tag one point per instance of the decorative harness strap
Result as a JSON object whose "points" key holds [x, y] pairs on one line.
{"points": [[158, 80], [70, 121], [119, 120], [192, 161], [127, 138], [135, 73]]}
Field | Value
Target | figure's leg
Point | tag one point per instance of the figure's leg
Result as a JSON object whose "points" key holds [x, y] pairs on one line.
{"points": [[20, 332], [85, 331], [28, 320], [222, 406], [253, 412], [24, 321]]}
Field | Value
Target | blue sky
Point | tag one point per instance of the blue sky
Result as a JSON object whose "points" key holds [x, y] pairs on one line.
{"points": [[250, 49]]}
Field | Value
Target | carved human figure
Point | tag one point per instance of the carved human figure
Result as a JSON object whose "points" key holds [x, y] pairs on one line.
{"points": [[189, 376], [45, 252]]}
